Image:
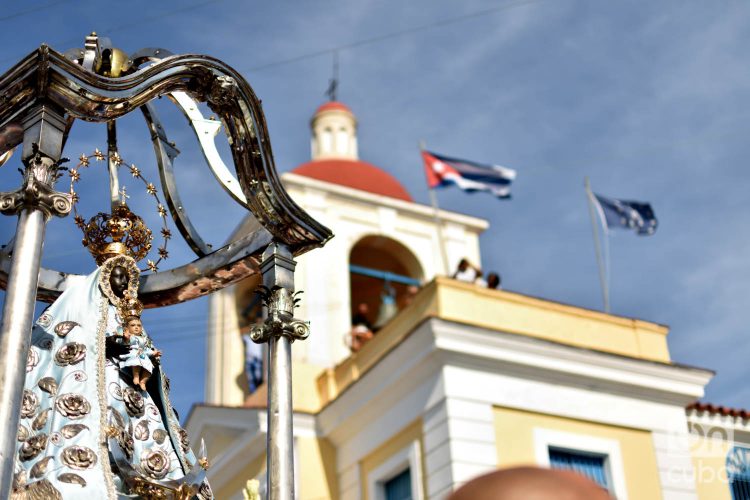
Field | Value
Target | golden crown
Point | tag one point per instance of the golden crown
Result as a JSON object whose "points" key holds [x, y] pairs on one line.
{"points": [[130, 307], [119, 233]]}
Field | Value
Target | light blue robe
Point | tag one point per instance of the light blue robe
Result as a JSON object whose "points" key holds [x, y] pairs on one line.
{"points": [[73, 395]]}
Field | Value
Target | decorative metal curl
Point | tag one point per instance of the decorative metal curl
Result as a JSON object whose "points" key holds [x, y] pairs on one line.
{"points": [[49, 77]]}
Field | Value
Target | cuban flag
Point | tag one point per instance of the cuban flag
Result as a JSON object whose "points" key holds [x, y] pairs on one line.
{"points": [[468, 175], [624, 214]]}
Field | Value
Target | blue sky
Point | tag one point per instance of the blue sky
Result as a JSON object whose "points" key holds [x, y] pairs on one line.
{"points": [[648, 99]]}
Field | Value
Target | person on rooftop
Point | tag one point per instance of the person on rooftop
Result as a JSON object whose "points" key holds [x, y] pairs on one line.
{"points": [[467, 272]]}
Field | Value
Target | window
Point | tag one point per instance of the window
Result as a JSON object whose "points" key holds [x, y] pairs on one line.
{"points": [[590, 465], [595, 457], [738, 472], [399, 477], [399, 487]]}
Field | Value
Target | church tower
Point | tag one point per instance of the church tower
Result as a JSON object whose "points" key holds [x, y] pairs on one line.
{"points": [[384, 243]]}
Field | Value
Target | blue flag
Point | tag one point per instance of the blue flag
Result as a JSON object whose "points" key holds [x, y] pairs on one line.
{"points": [[624, 214]]}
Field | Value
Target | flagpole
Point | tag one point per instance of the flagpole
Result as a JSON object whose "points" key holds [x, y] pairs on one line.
{"points": [[603, 272], [436, 217]]}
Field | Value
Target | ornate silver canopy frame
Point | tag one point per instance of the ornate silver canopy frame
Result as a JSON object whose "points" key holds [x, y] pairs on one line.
{"points": [[70, 90], [41, 97]]}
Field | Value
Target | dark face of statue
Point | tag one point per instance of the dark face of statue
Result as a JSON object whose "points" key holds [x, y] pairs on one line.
{"points": [[118, 280]]}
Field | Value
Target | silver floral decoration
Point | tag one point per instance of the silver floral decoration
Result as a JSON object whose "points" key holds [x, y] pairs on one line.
{"points": [[117, 418], [70, 354], [41, 420], [44, 320], [29, 404], [64, 327], [32, 447], [48, 385], [40, 468], [115, 391], [160, 435], [32, 360], [73, 406], [141, 431], [155, 463], [72, 430], [71, 478], [134, 403], [78, 457], [184, 440]]}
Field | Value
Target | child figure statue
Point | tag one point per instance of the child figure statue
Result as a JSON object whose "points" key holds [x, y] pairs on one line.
{"points": [[141, 349]]}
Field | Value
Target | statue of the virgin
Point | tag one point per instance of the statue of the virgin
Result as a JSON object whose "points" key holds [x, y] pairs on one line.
{"points": [[87, 428]]}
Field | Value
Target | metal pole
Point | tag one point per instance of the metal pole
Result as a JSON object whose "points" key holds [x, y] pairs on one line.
{"points": [[15, 335], [597, 245], [438, 221], [280, 413], [280, 329], [34, 203], [114, 179]]}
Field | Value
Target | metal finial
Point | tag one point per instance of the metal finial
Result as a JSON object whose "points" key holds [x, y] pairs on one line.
{"points": [[333, 83]]}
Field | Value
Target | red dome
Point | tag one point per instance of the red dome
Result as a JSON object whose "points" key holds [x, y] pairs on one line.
{"points": [[333, 106], [354, 174]]}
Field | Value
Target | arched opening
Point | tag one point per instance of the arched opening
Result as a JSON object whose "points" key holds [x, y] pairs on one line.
{"points": [[342, 141], [384, 277], [326, 141]]}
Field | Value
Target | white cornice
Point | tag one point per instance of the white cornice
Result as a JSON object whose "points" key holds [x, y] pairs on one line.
{"points": [[537, 358], [415, 209]]}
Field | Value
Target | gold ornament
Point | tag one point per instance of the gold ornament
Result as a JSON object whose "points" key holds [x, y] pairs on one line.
{"points": [[120, 233], [130, 306]]}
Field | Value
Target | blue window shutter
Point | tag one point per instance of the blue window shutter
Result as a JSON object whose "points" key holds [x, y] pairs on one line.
{"points": [[738, 471], [399, 487], [591, 466]]}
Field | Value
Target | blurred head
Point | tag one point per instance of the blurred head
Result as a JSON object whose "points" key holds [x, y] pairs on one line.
{"points": [[463, 264], [493, 280], [530, 483]]}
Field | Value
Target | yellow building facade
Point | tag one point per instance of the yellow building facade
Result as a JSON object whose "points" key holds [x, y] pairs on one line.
{"points": [[462, 380]]}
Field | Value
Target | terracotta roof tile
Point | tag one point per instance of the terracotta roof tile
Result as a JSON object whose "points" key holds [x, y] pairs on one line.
{"points": [[719, 410]]}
